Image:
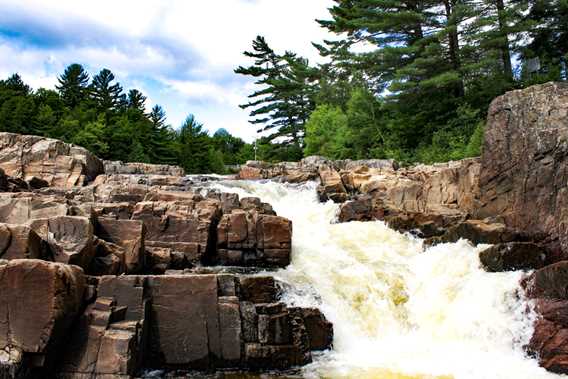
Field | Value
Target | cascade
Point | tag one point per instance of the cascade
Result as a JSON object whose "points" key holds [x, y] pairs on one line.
{"points": [[399, 309]]}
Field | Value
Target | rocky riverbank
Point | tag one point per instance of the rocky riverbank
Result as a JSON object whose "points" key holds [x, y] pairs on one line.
{"points": [[514, 196], [109, 269]]}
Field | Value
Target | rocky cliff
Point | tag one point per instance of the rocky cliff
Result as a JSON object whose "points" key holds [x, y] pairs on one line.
{"points": [[108, 274]]}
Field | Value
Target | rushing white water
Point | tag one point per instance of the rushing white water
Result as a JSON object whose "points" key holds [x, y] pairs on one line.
{"points": [[399, 311]]}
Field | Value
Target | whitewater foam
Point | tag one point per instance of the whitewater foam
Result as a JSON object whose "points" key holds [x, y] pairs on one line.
{"points": [[399, 310]]}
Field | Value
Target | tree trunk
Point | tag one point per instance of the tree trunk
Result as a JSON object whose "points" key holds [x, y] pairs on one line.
{"points": [[454, 44], [505, 48]]}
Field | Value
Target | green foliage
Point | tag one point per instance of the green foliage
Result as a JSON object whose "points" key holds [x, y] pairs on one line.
{"points": [[101, 118], [92, 137], [412, 78], [285, 100], [327, 132]]}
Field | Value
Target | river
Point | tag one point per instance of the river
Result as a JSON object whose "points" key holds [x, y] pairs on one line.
{"points": [[399, 310]]}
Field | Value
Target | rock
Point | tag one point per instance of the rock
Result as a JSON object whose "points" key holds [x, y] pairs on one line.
{"points": [[247, 238], [319, 329], [38, 303], [524, 166], [129, 235], [21, 242], [70, 238], [258, 289], [108, 260], [480, 232], [550, 282], [110, 337], [22, 207], [331, 187], [548, 344], [513, 256], [3, 181], [118, 167], [55, 162], [181, 304], [187, 227]]}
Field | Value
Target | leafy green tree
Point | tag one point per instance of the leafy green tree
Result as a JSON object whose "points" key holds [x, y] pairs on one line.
{"points": [[327, 133], [73, 85], [92, 137]]}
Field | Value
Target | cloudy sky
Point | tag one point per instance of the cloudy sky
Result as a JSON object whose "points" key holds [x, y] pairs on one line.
{"points": [[180, 53]]}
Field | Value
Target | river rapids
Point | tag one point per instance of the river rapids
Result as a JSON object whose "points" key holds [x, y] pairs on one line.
{"points": [[399, 310]]}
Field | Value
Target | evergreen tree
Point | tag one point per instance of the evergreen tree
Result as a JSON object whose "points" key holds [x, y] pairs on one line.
{"points": [[193, 147], [136, 101], [73, 85], [286, 98], [107, 95]]}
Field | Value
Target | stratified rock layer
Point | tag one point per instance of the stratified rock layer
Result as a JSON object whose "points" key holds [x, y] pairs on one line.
{"points": [[144, 236]]}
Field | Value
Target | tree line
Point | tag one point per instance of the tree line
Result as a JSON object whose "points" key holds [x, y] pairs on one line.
{"points": [[100, 116], [410, 80]]}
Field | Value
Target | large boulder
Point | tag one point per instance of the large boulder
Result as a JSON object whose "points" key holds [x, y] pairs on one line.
{"points": [[513, 256], [38, 302], [57, 163], [71, 239], [524, 166], [250, 238], [186, 226]]}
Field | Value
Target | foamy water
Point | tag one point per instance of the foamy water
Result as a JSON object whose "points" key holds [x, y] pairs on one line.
{"points": [[399, 310]]}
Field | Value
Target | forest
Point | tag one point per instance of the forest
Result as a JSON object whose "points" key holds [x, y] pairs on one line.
{"points": [[408, 80]]}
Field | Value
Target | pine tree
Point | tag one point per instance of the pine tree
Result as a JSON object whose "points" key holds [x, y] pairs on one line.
{"points": [[73, 85], [283, 103], [108, 96], [136, 101], [193, 147]]}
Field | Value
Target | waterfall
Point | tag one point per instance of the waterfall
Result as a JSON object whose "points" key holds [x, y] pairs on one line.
{"points": [[399, 310]]}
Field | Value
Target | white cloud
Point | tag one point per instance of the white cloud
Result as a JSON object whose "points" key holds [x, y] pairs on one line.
{"points": [[187, 49]]}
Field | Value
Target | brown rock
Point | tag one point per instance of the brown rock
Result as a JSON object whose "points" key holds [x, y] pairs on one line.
{"points": [[331, 187], [70, 238], [182, 304], [513, 256], [550, 282], [129, 235], [258, 289], [21, 242], [524, 166], [38, 302], [108, 260], [118, 167], [479, 231], [319, 329], [57, 163], [230, 328]]}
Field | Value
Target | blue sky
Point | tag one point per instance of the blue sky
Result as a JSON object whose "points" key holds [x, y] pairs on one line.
{"points": [[180, 53]]}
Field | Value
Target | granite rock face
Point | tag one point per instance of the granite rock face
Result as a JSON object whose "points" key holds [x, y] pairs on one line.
{"points": [[192, 321], [524, 167], [55, 162], [38, 303], [102, 275]]}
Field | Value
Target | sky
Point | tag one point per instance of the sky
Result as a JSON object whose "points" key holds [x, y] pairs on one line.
{"points": [[180, 53]]}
